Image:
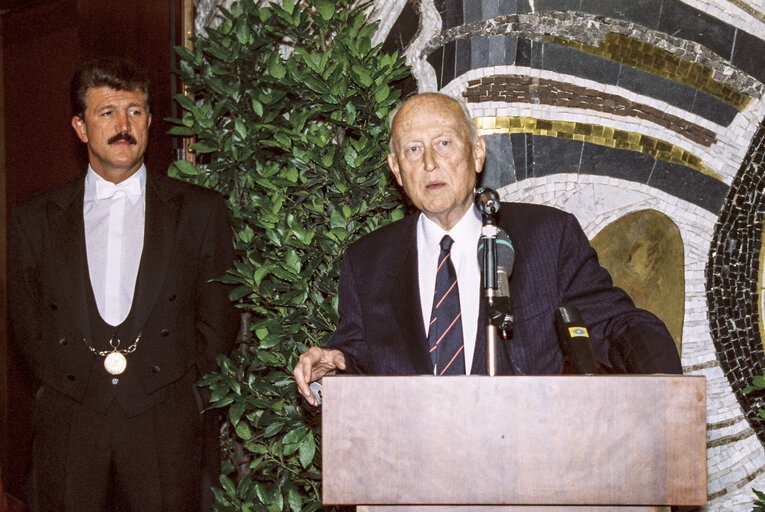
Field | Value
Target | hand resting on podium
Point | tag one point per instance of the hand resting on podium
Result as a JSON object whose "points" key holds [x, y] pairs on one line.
{"points": [[313, 365]]}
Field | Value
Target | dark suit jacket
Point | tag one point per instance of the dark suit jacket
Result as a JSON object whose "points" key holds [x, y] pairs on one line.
{"points": [[381, 330], [185, 320]]}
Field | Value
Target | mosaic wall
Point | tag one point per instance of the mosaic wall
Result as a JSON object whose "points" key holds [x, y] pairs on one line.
{"points": [[606, 108]]}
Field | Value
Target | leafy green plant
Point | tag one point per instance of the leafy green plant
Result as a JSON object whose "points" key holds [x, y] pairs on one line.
{"points": [[759, 505], [288, 105], [758, 384]]}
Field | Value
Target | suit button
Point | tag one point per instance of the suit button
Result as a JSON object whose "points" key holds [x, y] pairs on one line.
{"points": [[171, 298], [71, 377], [164, 332], [115, 381], [54, 307], [155, 368], [62, 341]]}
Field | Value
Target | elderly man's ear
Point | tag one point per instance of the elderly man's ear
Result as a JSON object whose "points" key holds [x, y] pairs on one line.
{"points": [[479, 154], [393, 164]]}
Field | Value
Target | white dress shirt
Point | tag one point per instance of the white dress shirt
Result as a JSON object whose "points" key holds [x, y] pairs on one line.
{"points": [[465, 234], [114, 218]]}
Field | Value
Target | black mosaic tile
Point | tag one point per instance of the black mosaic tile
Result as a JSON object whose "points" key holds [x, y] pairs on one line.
{"points": [[537, 54], [748, 54], [524, 6], [689, 184], [497, 47], [511, 46], [490, 9], [518, 141], [407, 86], [644, 12], [523, 52], [553, 155], [557, 5], [403, 31], [711, 108], [479, 52], [471, 10], [508, 7], [648, 84], [618, 163], [684, 21], [436, 59], [732, 280], [463, 56], [529, 155], [573, 62], [451, 13], [450, 63], [499, 169]]}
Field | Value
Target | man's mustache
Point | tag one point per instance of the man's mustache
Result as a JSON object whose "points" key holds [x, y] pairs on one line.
{"points": [[122, 136]]}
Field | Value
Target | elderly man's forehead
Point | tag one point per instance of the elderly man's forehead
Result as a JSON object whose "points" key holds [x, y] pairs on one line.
{"points": [[433, 104]]}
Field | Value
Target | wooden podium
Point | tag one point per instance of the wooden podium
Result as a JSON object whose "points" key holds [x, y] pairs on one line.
{"points": [[476, 443]]}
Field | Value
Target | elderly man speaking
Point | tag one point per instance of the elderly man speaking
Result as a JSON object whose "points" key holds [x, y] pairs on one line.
{"points": [[410, 292]]}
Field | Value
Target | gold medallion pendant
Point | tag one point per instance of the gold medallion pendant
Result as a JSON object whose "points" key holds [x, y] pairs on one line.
{"points": [[115, 363]]}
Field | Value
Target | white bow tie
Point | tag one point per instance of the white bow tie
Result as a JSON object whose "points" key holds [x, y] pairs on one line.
{"points": [[107, 189]]}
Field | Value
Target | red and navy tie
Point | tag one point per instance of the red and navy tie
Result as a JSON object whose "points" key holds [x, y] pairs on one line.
{"points": [[447, 350]]}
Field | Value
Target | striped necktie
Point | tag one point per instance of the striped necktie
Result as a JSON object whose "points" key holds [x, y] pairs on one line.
{"points": [[447, 350]]}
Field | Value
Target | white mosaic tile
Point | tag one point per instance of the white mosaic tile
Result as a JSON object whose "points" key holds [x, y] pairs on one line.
{"points": [[597, 201]]}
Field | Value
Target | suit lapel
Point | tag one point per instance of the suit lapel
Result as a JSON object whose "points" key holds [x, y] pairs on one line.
{"points": [[67, 232], [405, 300], [162, 208]]}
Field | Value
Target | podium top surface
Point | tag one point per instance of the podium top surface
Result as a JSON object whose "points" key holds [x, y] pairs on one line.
{"points": [[555, 440]]}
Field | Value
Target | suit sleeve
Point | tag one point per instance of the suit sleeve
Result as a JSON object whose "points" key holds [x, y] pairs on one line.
{"points": [[216, 317], [24, 288], [624, 337], [349, 335]]}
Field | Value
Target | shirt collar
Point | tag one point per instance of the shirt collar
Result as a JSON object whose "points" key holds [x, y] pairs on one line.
{"points": [[91, 178], [465, 233]]}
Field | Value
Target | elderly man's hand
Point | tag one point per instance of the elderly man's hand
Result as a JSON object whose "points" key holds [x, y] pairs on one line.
{"points": [[314, 364]]}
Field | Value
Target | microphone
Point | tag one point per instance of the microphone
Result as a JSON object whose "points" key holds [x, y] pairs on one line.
{"points": [[574, 339], [487, 201], [500, 308]]}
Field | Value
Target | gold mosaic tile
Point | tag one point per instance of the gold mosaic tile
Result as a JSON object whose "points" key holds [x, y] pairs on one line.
{"points": [[595, 134], [524, 89], [645, 56]]}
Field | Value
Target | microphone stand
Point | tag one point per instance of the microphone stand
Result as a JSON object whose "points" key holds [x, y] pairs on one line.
{"points": [[494, 312]]}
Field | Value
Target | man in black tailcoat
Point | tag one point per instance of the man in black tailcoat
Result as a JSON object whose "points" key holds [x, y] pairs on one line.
{"points": [[112, 304]]}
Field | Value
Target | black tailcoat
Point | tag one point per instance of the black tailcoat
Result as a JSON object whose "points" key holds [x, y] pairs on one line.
{"points": [[185, 320]]}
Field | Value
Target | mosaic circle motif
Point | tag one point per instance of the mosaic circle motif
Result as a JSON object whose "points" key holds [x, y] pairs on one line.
{"points": [[733, 281]]}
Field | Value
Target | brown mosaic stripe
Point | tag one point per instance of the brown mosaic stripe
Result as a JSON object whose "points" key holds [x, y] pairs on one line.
{"points": [[595, 134], [736, 485], [729, 422], [591, 31], [525, 89], [645, 56], [731, 439], [748, 9]]}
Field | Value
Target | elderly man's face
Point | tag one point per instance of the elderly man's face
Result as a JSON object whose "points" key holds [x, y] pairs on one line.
{"points": [[116, 130], [434, 160]]}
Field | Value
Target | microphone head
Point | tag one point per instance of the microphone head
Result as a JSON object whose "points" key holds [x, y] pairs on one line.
{"points": [[487, 201], [505, 252]]}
